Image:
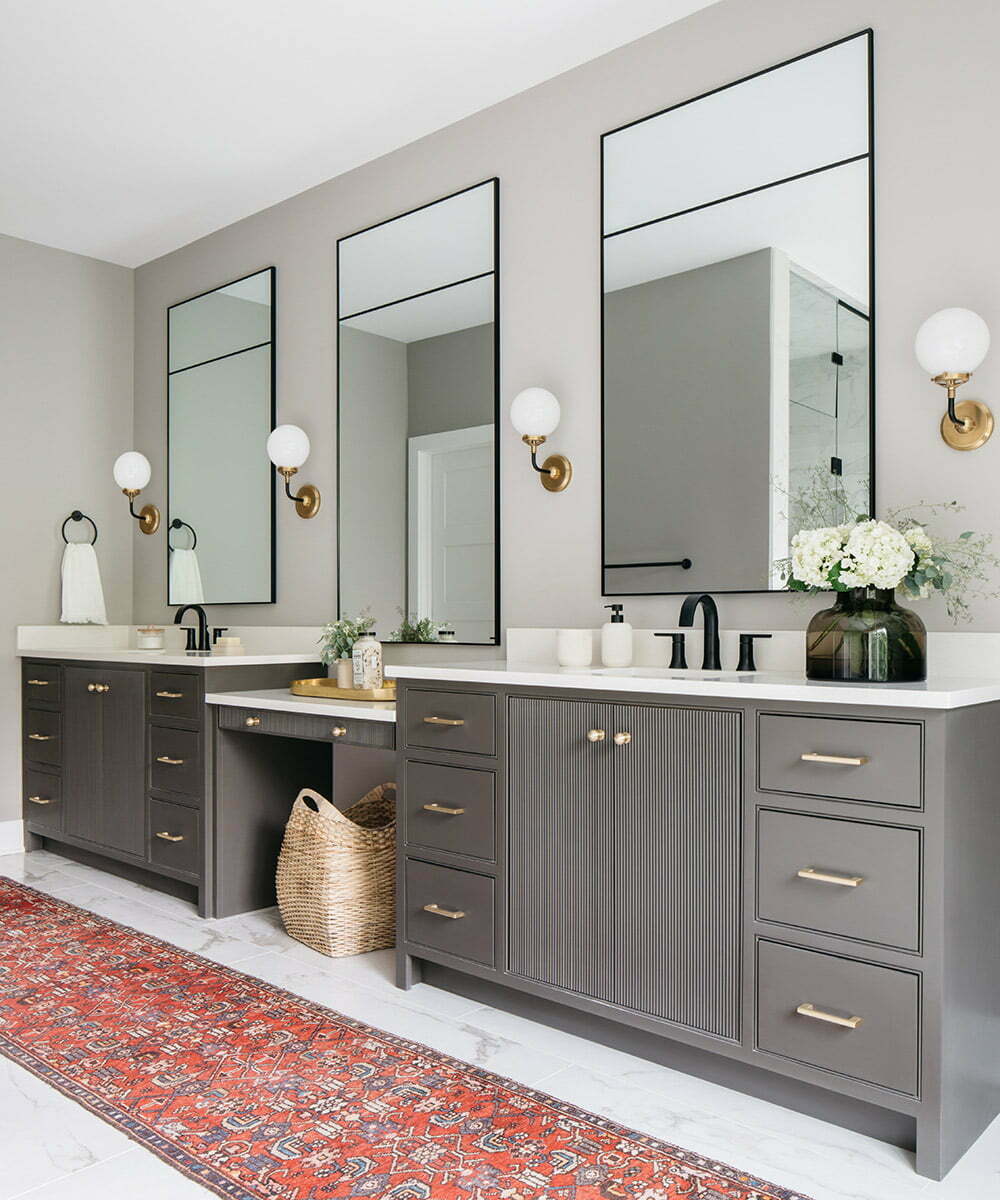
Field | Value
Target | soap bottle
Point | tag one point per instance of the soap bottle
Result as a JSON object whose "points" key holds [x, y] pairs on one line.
{"points": [[367, 662], [616, 639]]}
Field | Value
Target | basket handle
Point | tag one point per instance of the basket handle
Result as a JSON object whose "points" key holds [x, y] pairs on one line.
{"points": [[316, 803]]}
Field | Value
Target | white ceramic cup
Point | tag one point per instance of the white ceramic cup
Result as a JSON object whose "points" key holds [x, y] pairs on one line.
{"points": [[574, 647]]}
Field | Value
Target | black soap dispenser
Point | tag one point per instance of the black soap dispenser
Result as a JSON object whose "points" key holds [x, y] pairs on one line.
{"points": [[616, 638]]}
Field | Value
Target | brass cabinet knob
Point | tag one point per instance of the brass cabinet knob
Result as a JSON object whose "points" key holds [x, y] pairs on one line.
{"points": [[171, 837], [91, 687], [622, 738], [339, 730], [252, 722], [596, 735], [100, 688]]}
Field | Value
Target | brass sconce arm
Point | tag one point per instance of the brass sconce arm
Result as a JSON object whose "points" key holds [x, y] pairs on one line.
{"points": [[148, 516], [556, 470], [953, 381], [307, 499]]}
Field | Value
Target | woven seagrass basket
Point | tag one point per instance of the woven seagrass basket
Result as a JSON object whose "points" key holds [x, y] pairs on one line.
{"points": [[336, 873]]}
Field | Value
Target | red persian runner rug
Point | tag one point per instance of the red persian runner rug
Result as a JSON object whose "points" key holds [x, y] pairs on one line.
{"points": [[257, 1094]]}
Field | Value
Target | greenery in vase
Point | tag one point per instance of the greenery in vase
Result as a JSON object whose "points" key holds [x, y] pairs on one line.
{"points": [[414, 629], [338, 637]]}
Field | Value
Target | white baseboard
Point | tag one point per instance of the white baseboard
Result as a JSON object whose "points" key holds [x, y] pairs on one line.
{"points": [[11, 837]]}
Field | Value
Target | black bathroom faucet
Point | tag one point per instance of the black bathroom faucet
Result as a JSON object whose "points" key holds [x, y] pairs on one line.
{"points": [[203, 642], [710, 660]]}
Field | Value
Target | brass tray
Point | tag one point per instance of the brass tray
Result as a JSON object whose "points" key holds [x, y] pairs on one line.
{"points": [[327, 689]]}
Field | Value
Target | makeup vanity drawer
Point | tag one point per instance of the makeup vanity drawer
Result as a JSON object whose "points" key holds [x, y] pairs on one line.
{"points": [[175, 760], [450, 808], [42, 737], [43, 807], [461, 721], [876, 762], [42, 683], [847, 878], [856, 1019], [173, 695], [173, 836], [345, 731], [450, 910]]}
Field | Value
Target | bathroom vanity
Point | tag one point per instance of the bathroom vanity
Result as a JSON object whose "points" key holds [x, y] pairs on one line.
{"points": [[789, 888]]}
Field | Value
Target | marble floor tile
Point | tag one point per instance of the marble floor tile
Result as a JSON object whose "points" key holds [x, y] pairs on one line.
{"points": [[135, 1173]]}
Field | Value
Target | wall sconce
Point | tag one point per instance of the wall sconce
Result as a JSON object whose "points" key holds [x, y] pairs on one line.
{"points": [[132, 472], [288, 449], [534, 413], [950, 345]]}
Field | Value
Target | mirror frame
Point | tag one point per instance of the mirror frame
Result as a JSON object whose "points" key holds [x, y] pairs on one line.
{"points": [[495, 181], [272, 271], [868, 34]]}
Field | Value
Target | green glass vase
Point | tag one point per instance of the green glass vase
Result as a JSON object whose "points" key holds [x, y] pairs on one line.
{"points": [[866, 637]]}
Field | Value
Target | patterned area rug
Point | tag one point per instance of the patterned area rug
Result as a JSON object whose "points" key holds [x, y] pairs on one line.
{"points": [[260, 1095]]}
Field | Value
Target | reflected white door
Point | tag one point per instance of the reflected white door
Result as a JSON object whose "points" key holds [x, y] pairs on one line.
{"points": [[451, 531]]}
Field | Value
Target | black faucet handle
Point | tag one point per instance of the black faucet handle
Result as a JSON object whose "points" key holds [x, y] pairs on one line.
{"points": [[678, 661], [190, 631], [218, 631], [747, 640]]}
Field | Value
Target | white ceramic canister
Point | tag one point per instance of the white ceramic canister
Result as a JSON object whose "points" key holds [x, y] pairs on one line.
{"points": [[149, 637], [367, 658], [574, 647]]}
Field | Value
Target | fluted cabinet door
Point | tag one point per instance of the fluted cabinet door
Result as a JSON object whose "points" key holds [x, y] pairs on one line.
{"points": [[677, 865], [560, 844]]}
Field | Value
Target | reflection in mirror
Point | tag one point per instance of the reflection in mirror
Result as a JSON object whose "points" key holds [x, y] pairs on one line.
{"points": [[737, 312], [418, 395], [220, 386]]}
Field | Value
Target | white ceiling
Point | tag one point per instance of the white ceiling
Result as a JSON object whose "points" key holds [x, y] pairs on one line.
{"points": [[131, 128]]}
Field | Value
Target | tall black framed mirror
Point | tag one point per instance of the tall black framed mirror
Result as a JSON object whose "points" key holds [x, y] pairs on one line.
{"points": [[418, 403], [220, 410], [738, 317]]}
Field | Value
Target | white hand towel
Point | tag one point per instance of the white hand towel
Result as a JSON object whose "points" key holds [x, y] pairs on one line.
{"points": [[185, 578], [82, 594]]}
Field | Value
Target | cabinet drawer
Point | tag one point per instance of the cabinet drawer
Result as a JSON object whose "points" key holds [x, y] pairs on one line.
{"points": [[876, 762], [460, 721], [42, 683], [175, 760], [173, 836], [450, 808], [882, 1049], [871, 888], [175, 695], [468, 931], [344, 731], [43, 805], [42, 736]]}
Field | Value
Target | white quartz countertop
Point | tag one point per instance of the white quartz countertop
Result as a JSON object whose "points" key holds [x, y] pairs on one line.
{"points": [[937, 692], [279, 700], [169, 658]]}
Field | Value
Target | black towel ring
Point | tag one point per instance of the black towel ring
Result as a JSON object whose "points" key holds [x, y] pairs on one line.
{"points": [[177, 523], [76, 515]]}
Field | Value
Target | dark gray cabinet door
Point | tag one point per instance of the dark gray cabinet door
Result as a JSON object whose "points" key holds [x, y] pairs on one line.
{"points": [[560, 852], [676, 822], [104, 766]]}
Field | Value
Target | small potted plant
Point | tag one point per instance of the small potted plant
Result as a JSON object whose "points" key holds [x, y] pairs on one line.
{"points": [[413, 628], [337, 642]]}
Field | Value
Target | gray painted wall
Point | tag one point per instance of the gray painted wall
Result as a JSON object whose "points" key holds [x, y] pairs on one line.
{"points": [[687, 431], [66, 397], [450, 380], [937, 245]]}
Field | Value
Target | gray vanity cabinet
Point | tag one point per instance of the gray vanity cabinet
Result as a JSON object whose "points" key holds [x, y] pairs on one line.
{"points": [[610, 838], [104, 757]]}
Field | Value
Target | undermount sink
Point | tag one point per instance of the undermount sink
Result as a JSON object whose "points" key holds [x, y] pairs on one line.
{"points": [[673, 673]]}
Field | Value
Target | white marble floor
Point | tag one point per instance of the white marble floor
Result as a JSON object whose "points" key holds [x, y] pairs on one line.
{"points": [[52, 1149]]}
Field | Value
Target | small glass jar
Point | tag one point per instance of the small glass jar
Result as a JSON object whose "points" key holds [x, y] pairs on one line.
{"points": [[367, 659]]}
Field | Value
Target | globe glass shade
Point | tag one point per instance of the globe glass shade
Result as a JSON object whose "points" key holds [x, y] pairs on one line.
{"points": [[288, 446], [534, 412], [132, 471], [953, 341]]}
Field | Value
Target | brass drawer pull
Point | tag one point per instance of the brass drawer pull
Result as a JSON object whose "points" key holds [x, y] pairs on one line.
{"points": [[39, 682], [838, 760], [41, 737], [39, 800], [453, 914], [171, 762], [99, 687], [825, 877], [252, 722], [339, 731], [622, 739], [443, 808], [443, 721], [170, 695], [596, 735], [171, 837], [817, 1014]]}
